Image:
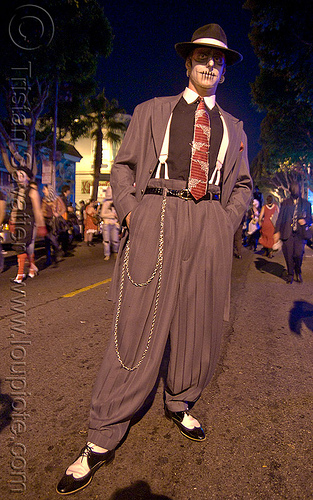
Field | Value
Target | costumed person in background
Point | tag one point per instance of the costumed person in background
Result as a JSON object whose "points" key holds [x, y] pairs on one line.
{"points": [[267, 221], [26, 221], [64, 237], [245, 228], [257, 195], [110, 226], [52, 208], [91, 221], [73, 223], [253, 231], [293, 227], [2, 216], [81, 218], [181, 185]]}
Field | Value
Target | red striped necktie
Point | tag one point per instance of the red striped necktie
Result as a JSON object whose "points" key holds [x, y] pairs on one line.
{"points": [[199, 166]]}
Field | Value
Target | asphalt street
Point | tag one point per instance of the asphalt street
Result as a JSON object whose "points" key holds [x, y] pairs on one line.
{"points": [[257, 412]]}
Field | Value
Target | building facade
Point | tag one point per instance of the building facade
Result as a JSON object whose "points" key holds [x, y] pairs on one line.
{"points": [[85, 168], [74, 167]]}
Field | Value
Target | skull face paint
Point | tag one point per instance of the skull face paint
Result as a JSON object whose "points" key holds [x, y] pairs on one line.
{"points": [[206, 67]]}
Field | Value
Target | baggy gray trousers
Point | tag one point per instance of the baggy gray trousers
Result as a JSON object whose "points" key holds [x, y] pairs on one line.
{"points": [[198, 239]]}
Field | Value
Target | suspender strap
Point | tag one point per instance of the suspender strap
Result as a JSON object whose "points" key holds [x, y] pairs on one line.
{"points": [[164, 152], [216, 176], [221, 155]]}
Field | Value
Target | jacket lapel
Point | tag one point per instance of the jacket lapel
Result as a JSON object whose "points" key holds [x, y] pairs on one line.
{"points": [[234, 133]]}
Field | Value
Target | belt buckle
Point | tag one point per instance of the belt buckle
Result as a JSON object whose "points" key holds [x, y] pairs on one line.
{"points": [[184, 194]]}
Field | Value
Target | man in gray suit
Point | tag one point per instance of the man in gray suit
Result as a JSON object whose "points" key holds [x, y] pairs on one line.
{"points": [[172, 277]]}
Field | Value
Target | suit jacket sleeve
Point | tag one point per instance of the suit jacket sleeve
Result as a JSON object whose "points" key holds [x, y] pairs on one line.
{"points": [[123, 172], [237, 186]]}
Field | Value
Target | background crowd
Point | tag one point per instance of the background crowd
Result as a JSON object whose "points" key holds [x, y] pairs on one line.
{"points": [[53, 217], [287, 227]]}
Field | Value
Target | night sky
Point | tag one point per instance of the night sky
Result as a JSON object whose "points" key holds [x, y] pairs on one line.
{"points": [[144, 63]]}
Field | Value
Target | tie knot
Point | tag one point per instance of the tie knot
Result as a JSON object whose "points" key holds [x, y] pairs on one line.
{"points": [[201, 103]]}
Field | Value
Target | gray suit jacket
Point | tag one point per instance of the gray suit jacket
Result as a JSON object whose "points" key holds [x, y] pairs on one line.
{"points": [[139, 153]]}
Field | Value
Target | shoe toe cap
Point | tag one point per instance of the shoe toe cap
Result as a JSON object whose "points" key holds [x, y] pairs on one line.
{"points": [[196, 434], [69, 484]]}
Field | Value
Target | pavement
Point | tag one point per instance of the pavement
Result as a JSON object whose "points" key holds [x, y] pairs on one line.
{"points": [[257, 411]]}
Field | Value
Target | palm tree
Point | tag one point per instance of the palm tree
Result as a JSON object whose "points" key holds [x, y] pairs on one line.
{"points": [[103, 121]]}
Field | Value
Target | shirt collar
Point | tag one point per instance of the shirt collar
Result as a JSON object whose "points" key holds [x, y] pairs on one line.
{"points": [[191, 96]]}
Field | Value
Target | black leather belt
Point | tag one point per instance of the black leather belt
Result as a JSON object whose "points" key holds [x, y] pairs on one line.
{"points": [[184, 194]]}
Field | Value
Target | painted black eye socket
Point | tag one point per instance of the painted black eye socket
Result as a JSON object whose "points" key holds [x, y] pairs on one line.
{"points": [[203, 57]]}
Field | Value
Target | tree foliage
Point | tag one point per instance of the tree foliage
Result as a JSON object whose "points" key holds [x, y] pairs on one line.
{"points": [[100, 115], [48, 65], [282, 38]]}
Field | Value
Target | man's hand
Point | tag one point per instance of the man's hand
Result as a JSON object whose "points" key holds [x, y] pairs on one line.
{"points": [[127, 219], [302, 222]]}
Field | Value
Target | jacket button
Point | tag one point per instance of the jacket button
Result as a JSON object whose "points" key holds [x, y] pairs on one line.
{"points": [[150, 171], [142, 191]]}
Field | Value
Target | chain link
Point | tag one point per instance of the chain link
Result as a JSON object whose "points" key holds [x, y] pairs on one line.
{"points": [[158, 267]]}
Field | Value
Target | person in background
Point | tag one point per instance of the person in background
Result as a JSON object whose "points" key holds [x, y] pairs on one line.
{"points": [[73, 223], [26, 221], [52, 208], [64, 237], [267, 220], [2, 216], [110, 226], [65, 193], [91, 221], [253, 231], [293, 227], [82, 207], [181, 185], [257, 195]]}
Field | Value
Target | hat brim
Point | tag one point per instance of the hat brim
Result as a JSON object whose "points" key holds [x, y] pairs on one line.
{"points": [[231, 56]]}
